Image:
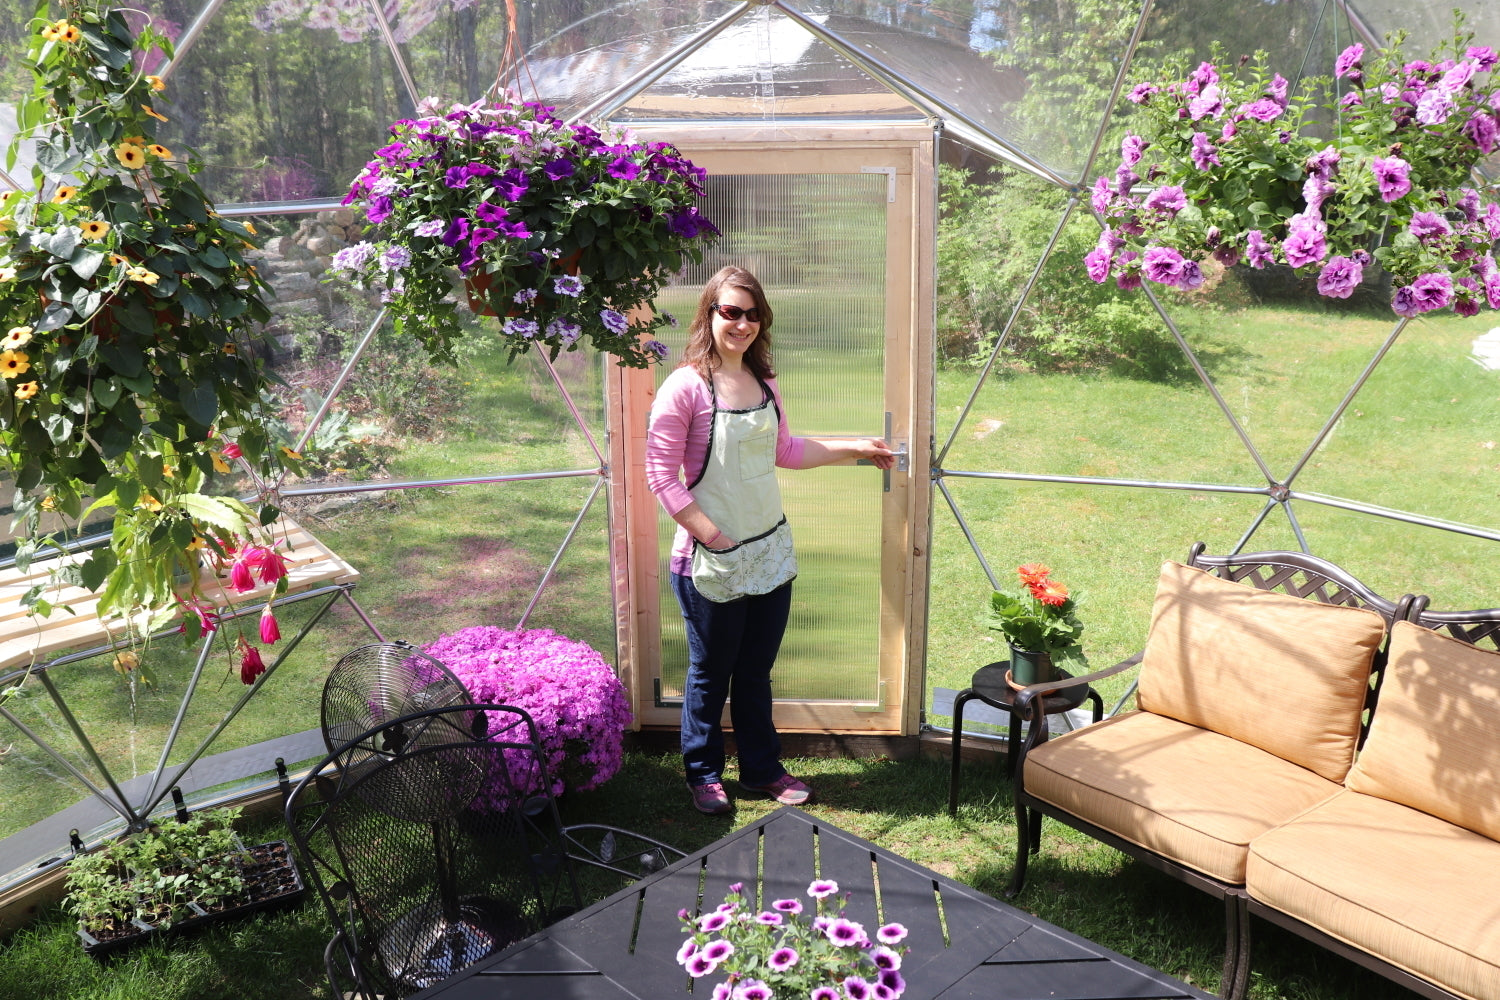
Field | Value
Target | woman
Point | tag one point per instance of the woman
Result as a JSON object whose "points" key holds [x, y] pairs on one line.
{"points": [[717, 433]]}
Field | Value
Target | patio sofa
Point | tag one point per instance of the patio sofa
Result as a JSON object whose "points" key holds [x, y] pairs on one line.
{"points": [[1309, 752]]}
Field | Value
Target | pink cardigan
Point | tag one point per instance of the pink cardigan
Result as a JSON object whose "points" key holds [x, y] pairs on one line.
{"points": [[677, 443]]}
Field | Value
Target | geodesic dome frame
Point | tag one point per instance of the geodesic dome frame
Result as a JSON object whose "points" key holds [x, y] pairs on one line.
{"points": [[969, 65]]}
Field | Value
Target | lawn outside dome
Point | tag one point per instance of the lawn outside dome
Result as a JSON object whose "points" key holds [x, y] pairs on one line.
{"points": [[285, 100]]}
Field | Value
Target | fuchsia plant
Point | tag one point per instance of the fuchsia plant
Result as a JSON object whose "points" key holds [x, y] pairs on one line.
{"points": [[1241, 170]]}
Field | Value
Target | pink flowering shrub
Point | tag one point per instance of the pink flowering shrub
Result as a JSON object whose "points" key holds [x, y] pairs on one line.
{"points": [[1229, 164], [578, 704]]}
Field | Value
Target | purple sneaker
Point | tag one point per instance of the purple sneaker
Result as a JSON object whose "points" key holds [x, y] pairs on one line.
{"points": [[711, 799], [786, 789]]}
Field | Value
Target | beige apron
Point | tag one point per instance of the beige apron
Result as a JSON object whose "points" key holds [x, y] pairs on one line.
{"points": [[737, 489]]}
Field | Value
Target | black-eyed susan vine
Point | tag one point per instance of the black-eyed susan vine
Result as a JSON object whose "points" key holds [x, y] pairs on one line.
{"points": [[127, 310]]}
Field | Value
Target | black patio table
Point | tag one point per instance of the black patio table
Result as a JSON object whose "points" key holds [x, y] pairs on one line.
{"points": [[962, 943]]}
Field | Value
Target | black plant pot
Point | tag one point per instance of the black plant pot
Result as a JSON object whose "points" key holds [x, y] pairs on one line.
{"points": [[272, 881]]}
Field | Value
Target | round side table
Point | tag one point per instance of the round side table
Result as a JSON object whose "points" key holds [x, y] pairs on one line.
{"points": [[990, 686]]}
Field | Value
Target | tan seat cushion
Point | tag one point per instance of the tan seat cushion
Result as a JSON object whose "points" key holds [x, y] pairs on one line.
{"points": [[1418, 892], [1434, 743], [1183, 792], [1282, 673]]}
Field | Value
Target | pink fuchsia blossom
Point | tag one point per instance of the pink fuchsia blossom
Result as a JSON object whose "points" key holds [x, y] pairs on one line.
{"points": [[1429, 226], [207, 615], [1392, 175], [1429, 292], [240, 577], [1204, 154], [1132, 148], [1163, 265], [1258, 252], [267, 563], [231, 450], [251, 664], [1339, 278], [1168, 200], [1348, 60], [270, 631]]}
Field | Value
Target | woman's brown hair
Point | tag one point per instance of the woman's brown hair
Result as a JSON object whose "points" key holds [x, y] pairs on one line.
{"points": [[701, 353]]}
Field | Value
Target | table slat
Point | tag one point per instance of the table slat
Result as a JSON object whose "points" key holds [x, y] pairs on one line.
{"points": [[1100, 979], [789, 868], [848, 863]]}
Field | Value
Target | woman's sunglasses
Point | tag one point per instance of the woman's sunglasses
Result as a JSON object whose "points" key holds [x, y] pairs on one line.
{"points": [[733, 313]]}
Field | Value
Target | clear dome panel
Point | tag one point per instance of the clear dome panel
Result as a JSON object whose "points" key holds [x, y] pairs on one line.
{"points": [[279, 110], [767, 66], [1421, 434], [1427, 24], [582, 51]]}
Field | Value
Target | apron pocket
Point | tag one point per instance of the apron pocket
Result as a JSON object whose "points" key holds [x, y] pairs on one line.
{"points": [[755, 566]]}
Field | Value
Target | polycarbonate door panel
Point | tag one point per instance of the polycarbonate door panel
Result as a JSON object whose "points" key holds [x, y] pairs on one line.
{"points": [[829, 233]]}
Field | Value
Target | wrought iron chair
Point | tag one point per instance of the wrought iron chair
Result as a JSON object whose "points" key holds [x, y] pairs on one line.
{"points": [[434, 840]]}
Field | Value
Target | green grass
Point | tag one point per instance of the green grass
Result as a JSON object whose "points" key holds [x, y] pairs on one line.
{"points": [[901, 805]]}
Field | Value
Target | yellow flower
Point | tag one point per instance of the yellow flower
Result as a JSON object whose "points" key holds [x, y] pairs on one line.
{"points": [[219, 464], [95, 229], [131, 156], [6, 196], [197, 543], [7, 274], [68, 33], [250, 228], [144, 275], [55, 31], [115, 260], [64, 194], [27, 389], [150, 502], [152, 112], [18, 337], [13, 364], [159, 151], [49, 503], [126, 661], [285, 451], [157, 83], [166, 470]]}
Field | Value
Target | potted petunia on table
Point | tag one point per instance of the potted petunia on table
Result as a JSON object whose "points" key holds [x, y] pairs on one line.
{"points": [[562, 228]]}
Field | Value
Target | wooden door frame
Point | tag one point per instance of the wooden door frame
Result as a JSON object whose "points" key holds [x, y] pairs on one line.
{"points": [[906, 525]]}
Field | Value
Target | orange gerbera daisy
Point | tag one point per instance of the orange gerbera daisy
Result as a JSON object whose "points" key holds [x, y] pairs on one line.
{"points": [[27, 389], [13, 364], [18, 337], [64, 194], [1032, 573], [159, 151], [95, 229], [1050, 592], [131, 156]]}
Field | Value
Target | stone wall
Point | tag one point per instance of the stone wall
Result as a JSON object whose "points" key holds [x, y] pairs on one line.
{"points": [[296, 266]]}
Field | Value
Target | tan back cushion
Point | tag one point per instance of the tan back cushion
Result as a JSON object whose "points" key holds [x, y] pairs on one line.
{"points": [[1434, 743], [1285, 674]]}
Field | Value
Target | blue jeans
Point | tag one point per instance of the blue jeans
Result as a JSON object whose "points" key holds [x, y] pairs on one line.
{"points": [[731, 649]]}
